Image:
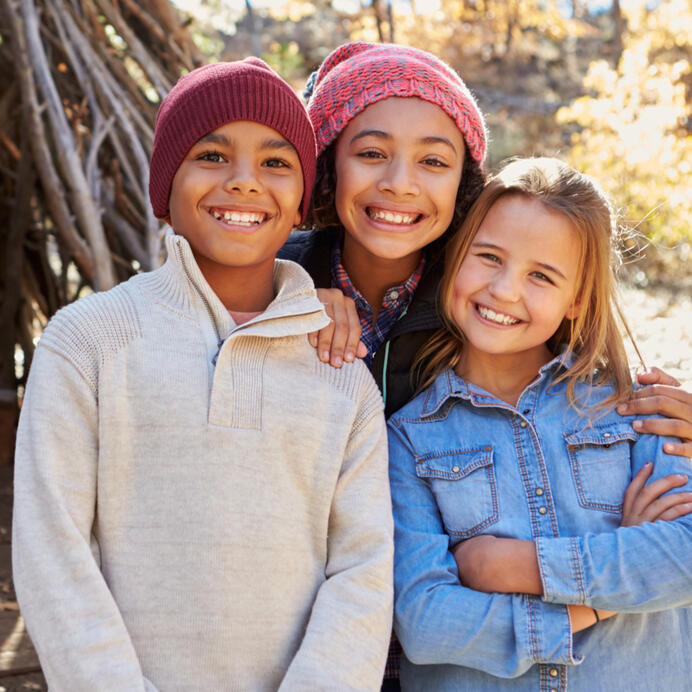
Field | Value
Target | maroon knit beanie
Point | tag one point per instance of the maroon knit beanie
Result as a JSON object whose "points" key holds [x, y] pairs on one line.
{"points": [[223, 92], [355, 75]]}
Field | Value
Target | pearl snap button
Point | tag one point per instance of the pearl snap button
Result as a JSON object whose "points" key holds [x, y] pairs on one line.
{"points": [[542, 510], [553, 672], [539, 491], [393, 295], [455, 469], [523, 424]]}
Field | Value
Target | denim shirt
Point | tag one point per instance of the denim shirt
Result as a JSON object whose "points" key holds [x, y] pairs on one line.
{"points": [[464, 463]]}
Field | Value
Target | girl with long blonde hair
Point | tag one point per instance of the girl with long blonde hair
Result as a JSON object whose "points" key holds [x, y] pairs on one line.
{"points": [[526, 540]]}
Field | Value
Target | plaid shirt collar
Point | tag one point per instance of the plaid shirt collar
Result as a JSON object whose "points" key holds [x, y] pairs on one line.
{"points": [[394, 304]]}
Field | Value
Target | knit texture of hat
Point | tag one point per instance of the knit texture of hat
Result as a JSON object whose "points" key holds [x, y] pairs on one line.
{"points": [[358, 74], [223, 92]]}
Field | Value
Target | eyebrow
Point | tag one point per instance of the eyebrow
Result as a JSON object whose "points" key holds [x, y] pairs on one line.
{"points": [[544, 265], [381, 134], [270, 143]]}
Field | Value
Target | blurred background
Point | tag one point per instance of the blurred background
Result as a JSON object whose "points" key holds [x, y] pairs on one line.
{"points": [[605, 85]]}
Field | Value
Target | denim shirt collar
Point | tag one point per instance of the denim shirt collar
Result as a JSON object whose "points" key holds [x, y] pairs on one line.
{"points": [[449, 385]]}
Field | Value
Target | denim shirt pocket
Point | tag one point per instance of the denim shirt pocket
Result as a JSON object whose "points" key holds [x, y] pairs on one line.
{"points": [[464, 486], [601, 466]]}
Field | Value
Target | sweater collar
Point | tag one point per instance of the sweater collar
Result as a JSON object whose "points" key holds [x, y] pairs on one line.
{"points": [[295, 300]]}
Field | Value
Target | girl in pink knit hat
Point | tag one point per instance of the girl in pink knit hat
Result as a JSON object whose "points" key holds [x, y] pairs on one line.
{"points": [[401, 145]]}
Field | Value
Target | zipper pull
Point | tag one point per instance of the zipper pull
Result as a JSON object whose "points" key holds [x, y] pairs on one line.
{"points": [[218, 350]]}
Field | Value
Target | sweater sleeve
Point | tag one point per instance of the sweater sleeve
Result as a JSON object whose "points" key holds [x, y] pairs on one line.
{"points": [[634, 569], [71, 616], [439, 621], [347, 637]]}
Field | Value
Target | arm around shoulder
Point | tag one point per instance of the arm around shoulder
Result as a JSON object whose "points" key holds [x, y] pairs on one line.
{"points": [[347, 638]]}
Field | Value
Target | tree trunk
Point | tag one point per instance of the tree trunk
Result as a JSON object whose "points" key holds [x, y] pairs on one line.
{"points": [[618, 30]]}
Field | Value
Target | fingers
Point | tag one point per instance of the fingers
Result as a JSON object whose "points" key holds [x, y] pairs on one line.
{"points": [[673, 427], [668, 401], [650, 399], [680, 510], [656, 376], [331, 340], [635, 488], [679, 449], [649, 502], [644, 504], [670, 507], [339, 341], [323, 342], [354, 331]]}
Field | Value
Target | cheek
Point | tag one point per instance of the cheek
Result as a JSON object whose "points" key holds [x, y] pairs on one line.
{"points": [[446, 194], [460, 289]]}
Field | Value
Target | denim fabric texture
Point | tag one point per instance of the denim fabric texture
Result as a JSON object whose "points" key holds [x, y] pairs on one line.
{"points": [[464, 463]]}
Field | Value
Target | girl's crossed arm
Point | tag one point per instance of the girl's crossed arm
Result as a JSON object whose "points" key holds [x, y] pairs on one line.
{"points": [[634, 569], [437, 619]]}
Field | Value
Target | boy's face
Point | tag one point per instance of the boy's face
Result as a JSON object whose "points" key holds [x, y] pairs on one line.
{"points": [[236, 195]]}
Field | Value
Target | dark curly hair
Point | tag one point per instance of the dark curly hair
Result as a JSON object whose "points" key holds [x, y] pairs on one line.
{"points": [[323, 214]]}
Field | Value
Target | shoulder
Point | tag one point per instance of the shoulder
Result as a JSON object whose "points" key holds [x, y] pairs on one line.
{"points": [[352, 384], [86, 331], [312, 250]]}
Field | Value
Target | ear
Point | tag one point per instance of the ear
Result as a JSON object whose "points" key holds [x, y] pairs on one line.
{"points": [[573, 310]]}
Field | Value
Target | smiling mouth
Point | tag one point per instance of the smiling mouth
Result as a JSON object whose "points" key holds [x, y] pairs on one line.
{"points": [[393, 217], [239, 218], [496, 317]]}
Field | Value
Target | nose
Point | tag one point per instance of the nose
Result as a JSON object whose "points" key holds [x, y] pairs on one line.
{"points": [[241, 177], [505, 286], [399, 179]]}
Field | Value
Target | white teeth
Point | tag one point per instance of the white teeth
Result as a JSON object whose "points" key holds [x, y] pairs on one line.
{"points": [[498, 317], [391, 217], [239, 218]]}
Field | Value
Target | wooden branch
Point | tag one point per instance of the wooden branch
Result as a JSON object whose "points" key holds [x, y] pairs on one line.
{"points": [[156, 29], [127, 234], [50, 181], [88, 216], [160, 82], [168, 17], [12, 271]]}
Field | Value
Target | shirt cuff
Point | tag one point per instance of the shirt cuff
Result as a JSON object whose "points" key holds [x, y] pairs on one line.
{"points": [[552, 633], [562, 573]]}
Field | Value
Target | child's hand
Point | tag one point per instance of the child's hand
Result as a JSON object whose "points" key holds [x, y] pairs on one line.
{"points": [[663, 396], [503, 565], [645, 502], [339, 341]]}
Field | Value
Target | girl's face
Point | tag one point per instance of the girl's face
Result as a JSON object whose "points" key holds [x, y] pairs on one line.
{"points": [[398, 168], [518, 280]]}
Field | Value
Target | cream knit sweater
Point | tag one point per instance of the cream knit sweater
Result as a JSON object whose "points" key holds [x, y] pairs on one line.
{"points": [[181, 525]]}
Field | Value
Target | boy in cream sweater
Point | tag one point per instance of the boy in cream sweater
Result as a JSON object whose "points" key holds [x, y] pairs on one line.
{"points": [[200, 503]]}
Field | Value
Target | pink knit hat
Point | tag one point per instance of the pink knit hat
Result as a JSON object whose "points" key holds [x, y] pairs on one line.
{"points": [[223, 92], [358, 74]]}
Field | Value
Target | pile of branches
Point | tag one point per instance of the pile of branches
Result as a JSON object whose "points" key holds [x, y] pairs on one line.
{"points": [[80, 84]]}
